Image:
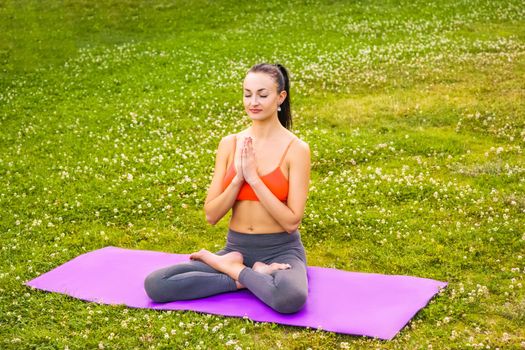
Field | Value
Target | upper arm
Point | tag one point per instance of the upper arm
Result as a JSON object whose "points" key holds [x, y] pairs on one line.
{"points": [[221, 159], [299, 179]]}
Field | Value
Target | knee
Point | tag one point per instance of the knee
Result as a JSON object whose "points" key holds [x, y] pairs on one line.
{"points": [[290, 300], [153, 287]]}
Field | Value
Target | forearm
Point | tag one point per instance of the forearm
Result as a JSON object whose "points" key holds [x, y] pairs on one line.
{"points": [[277, 209], [218, 207]]}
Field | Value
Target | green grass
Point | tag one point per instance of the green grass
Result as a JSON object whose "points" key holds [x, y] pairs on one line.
{"points": [[414, 112]]}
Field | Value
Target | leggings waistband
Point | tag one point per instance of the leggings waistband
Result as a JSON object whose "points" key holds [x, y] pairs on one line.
{"points": [[262, 239]]}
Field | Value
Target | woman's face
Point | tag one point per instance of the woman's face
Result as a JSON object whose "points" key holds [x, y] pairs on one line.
{"points": [[260, 96]]}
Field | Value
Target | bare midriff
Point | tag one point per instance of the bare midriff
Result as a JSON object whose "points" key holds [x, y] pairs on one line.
{"points": [[252, 218]]}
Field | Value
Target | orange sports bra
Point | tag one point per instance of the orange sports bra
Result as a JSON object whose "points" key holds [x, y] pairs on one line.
{"points": [[275, 180]]}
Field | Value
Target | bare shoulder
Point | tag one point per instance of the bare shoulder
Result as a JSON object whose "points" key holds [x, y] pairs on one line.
{"points": [[227, 141], [228, 138], [299, 151], [223, 151], [300, 146]]}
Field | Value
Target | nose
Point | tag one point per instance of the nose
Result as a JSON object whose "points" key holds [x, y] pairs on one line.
{"points": [[254, 101]]}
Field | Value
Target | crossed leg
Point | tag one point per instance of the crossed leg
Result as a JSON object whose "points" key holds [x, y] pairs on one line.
{"points": [[187, 280], [281, 285], [284, 290], [196, 279]]}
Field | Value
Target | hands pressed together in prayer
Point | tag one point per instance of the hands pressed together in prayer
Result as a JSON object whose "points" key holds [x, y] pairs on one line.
{"points": [[246, 169]]}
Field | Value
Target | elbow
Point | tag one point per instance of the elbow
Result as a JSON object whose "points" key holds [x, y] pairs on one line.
{"points": [[211, 220], [292, 228]]}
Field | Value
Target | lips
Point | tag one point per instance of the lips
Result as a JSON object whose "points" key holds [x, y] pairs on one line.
{"points": [[255, 110]]}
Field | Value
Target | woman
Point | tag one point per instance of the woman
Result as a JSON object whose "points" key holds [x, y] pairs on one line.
{"points": [[263, 252]]}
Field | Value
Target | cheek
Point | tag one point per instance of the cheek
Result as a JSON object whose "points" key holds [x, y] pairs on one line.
{"points": [[265, 102]]}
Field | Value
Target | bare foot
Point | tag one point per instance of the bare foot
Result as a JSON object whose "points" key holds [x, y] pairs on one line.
{"points": [[268, 269], [265, 268], [223, 263]]}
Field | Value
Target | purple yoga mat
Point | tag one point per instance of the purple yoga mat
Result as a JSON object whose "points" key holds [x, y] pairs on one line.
{"points": [[357, 303]]}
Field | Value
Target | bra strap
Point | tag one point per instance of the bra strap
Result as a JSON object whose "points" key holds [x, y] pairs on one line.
{"points": [[234, 148], [286, 150]]}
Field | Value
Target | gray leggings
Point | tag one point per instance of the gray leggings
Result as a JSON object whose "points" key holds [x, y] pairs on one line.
{"points": [[284, 290]]}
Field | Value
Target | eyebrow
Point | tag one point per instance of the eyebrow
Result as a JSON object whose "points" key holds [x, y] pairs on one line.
{"points": [[257, 90]]}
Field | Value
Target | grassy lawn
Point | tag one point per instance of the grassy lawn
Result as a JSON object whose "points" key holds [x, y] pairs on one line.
{"points": [[111, 112]]}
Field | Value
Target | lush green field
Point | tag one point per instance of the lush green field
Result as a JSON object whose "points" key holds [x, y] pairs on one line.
{"points": [[111, 112]]}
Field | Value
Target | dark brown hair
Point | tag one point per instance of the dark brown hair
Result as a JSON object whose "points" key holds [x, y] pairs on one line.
{"points": [[280, 76]]}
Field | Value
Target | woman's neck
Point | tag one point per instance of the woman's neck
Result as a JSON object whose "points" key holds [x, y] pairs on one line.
{"points": [[265, 129]]}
